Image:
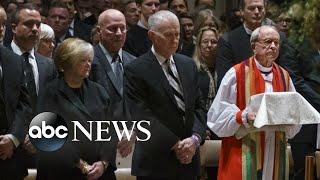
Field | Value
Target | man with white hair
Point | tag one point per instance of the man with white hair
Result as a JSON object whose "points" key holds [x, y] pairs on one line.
{"points": [[261, 153], [162, 87]]}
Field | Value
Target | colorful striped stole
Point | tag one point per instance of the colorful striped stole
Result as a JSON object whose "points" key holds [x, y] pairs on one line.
{"points": [[251, 82]]}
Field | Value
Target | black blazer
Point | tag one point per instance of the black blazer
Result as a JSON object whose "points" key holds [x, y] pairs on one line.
{"points": [[303, 65], [232, 48], [101, 72], [151, 98], [61, 99], [13, 94], [81, 30], [137, 41], [46, 70]]}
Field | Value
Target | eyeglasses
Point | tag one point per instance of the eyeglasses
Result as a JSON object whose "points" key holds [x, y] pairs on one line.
{"points": [[168, 35], [207, 41], [268, 42]]}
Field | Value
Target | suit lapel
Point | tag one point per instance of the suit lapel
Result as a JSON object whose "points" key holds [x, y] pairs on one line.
{"points": [[41, 71], [157, 69], [125, 58], [69, 94], [107, 68]]}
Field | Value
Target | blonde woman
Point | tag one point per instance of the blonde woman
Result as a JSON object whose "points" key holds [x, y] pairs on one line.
{"points": [[204, 57], [73, 97]]}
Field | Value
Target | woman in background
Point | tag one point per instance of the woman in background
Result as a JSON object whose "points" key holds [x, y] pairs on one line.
{"points": [[204, 57], [46, 41]]}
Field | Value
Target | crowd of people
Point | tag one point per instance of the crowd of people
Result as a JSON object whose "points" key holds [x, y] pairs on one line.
{"points": [[186, 70]]}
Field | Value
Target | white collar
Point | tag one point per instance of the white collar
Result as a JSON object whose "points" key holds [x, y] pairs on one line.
{"points": [[141, 25], [160, 58], [16, 49], [71, 26], [262, 68], [248, 31]]}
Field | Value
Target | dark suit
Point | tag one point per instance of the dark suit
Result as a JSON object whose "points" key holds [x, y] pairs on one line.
{"points": [[151, 98], [92, 106], [14, 109], [137, 41], [81, 30], [303, 66], [47, 73], [232, 48], [101, 72]]}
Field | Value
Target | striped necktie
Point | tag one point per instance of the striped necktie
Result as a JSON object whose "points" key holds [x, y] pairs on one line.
{"points": [[118, 70], [175, 86], [31, 85]]}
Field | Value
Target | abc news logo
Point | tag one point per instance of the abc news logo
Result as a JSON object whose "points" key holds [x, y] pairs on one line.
{"points": [[48, 131]]}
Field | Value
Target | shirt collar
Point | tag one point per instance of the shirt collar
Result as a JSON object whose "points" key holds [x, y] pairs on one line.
{"points": [[108, 55], [160, 58], [262, 68], [248, 31], [16, 49], [71, 25], [141, 25]]}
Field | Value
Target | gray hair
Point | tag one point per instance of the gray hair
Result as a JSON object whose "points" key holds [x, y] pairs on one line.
{"points": [[255, 34], [46, 32], [70, 51], [160, 16]]}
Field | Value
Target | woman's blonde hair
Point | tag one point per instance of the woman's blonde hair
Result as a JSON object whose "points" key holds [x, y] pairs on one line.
{"points": [[69, 52], [197, 53]]}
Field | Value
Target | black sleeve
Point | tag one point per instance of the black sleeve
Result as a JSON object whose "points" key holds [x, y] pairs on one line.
{"points": [[23, 110], [224, 59], [292, 62], [200, 121]]}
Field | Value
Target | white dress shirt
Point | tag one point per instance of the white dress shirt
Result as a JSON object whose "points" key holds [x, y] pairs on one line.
{"points": [[32, 61]]}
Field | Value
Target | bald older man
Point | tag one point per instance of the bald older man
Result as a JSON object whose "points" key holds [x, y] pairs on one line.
{"points": [[108, 62]]}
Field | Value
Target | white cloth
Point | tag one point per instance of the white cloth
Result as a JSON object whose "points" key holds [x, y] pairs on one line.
{"points": [[222, 115], [282, 108], [71, 28]]}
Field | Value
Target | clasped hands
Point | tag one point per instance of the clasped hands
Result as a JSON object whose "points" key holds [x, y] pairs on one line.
{"points": [[250, 117], [6, 147], [93, 171], [125, 145], [185, 150]]}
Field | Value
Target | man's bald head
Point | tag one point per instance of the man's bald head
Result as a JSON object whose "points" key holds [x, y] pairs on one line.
{"points": [[109, 14], [112, 30]]}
